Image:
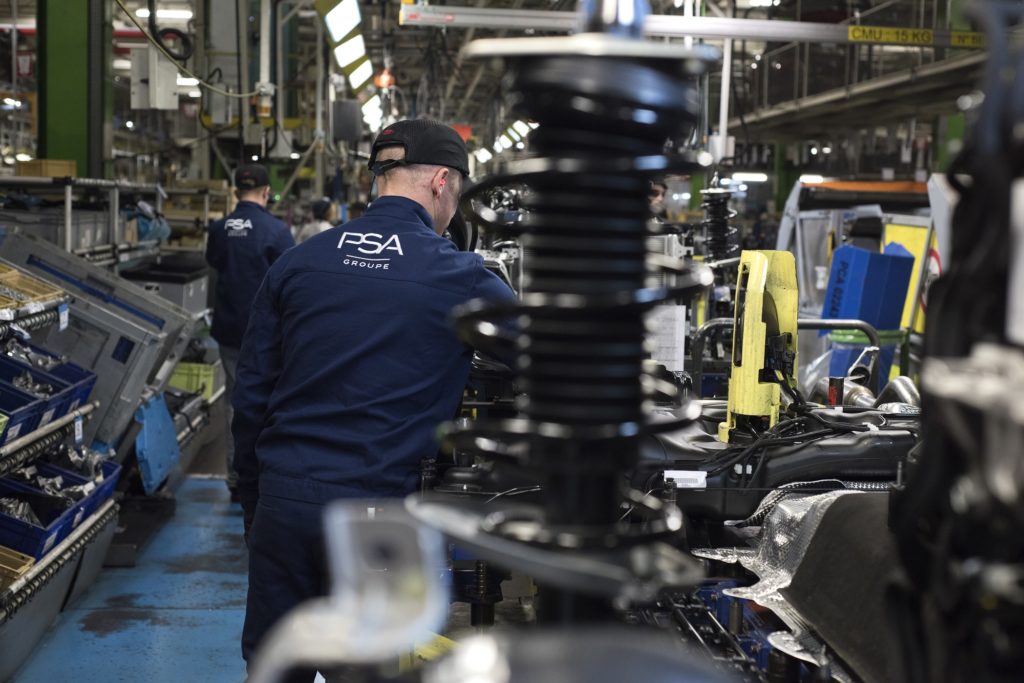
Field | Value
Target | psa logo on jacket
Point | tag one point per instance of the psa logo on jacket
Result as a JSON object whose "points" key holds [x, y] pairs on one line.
{"points": [[370, 244], [238, 227]]}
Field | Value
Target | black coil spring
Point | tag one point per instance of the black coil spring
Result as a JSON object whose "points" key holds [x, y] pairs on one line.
{"points": [[581, 342], [720, 238]]}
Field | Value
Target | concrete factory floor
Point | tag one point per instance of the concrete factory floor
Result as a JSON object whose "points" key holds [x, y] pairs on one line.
{"points": [[177, 616]]}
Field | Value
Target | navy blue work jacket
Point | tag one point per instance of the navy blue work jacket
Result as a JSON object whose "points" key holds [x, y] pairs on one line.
{"points": [[241, 248], [350, 361]]}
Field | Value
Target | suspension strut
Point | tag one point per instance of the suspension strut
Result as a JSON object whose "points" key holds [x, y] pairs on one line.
{"points": [[719, 236], [605, 108]]}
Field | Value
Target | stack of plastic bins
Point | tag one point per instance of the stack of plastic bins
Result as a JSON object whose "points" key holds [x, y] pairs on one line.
{"points": [[52, 405], [57, 521]]}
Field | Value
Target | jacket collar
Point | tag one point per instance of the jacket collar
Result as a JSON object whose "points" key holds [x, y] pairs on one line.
{"points": [[404, 208]]}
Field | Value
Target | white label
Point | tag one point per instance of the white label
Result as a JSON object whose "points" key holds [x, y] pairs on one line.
{"points": [[78, 430], [78, 518], [47, 416], [13, 432], [49, 543], [74, 406], [668, 323], [688, 479], [62, 312]]}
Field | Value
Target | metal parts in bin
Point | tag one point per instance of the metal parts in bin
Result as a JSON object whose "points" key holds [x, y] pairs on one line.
{"points": [[156, 446], [87, 282]]}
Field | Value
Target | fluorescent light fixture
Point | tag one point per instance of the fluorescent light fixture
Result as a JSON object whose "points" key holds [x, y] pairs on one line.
{"points": [[749, 177], [342, 19], [760, 3], [520, 145], [122, 64], [483, 156], [9, 160], [826, 150], [534, 126], [295, 156], [513, 134], [185, 14], [255, 157], [351, 51], [506, 143], [372, 104], [361, 76], [21, 156], [810, 178], [521, 128], [195, 94], [189, 82], [129, 124], [13, 103], [814, 151], [725, 181]]}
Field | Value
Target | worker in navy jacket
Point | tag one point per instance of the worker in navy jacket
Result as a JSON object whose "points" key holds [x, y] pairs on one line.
{"points": [[241, 248], [350, 363]]}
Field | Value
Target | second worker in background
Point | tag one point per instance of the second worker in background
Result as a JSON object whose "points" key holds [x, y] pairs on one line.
{"points": [[241, 248]]}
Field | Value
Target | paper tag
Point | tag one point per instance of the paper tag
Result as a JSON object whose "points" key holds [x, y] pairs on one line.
{"points": [[78, 518], [47, 416], [13, 432], [62, 312], [78, 430], [688, 479], [49, 543]]}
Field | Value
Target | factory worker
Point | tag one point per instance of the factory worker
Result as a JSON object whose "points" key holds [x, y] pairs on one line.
{"points": [[323, 214], [241, 248], [350, 363]]}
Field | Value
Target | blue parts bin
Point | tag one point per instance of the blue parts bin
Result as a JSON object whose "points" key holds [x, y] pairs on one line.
{"points": [[19, 413], [869, 286]]}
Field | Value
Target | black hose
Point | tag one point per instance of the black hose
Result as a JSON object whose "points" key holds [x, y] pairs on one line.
{"points": [[187, 48]]}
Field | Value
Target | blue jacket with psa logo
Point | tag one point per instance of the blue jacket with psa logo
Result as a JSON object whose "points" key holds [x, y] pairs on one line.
{"points": [[350, 361], [241, 248]]}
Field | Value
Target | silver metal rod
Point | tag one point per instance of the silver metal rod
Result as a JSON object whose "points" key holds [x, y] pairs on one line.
{"points": [[723, 103], [242, 9], [68, 244], [265, 30], [676, 26], [279, 59], [32, 437], [14, 49], [115, 216], [318, 163]]}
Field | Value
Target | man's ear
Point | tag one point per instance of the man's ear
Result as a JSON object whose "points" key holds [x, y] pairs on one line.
{"points": [[442, 180]]}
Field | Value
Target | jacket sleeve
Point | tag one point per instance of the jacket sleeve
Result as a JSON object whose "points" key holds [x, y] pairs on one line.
{"points": [[282, 242], [215, 244], [492, 288], [259, 367]]}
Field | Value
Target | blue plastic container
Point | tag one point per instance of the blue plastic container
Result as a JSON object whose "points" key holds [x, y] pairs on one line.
{"points": [[80, 384], [10, 368], [23, 412], [105, 490], [31, 539], [869, 286]]}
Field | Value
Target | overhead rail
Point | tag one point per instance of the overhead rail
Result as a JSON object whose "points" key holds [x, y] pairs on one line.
{"points": [[677, 26]]}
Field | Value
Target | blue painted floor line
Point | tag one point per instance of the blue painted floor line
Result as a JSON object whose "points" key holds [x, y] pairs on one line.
{"points": [[175, 617]]}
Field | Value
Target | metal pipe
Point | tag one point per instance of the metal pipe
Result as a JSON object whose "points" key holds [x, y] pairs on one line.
{"points": [[723, 103], [67, 218], [115, 215], [279, 68], [242, 10], [265, 30], [14, 49], [847, 324], [900, 390], [319, 133]]}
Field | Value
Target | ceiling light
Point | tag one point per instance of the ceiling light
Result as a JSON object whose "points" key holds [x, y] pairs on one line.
{"points": [[826, 150], [757, 58], [21, 156], [753, 65], [129, 124], [360, 76], [685, 196], [520, 145], [505, 141], [483, 156], [498, 149], [9, 160], [255, 157], [372, 106], [122, 64], [778, 66], [385, 79], [342, 19], [535, 126], [761, 3], [814, 151], [295, 156], [749, 177], [521, 128], [165, 13], [195, 94], [811, 179], [190, 82], [351, 51], [513, 134], [13, 103]]}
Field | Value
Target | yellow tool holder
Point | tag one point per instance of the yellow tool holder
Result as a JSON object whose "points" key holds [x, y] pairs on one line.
{"points": [[766, 307]]}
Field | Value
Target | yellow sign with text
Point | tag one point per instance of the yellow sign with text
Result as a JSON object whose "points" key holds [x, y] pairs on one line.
{"points": [[966, 39], [890, 35]]}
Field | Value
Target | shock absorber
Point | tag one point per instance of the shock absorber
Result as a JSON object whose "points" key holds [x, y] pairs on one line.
{"points": [[605, 105]]}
